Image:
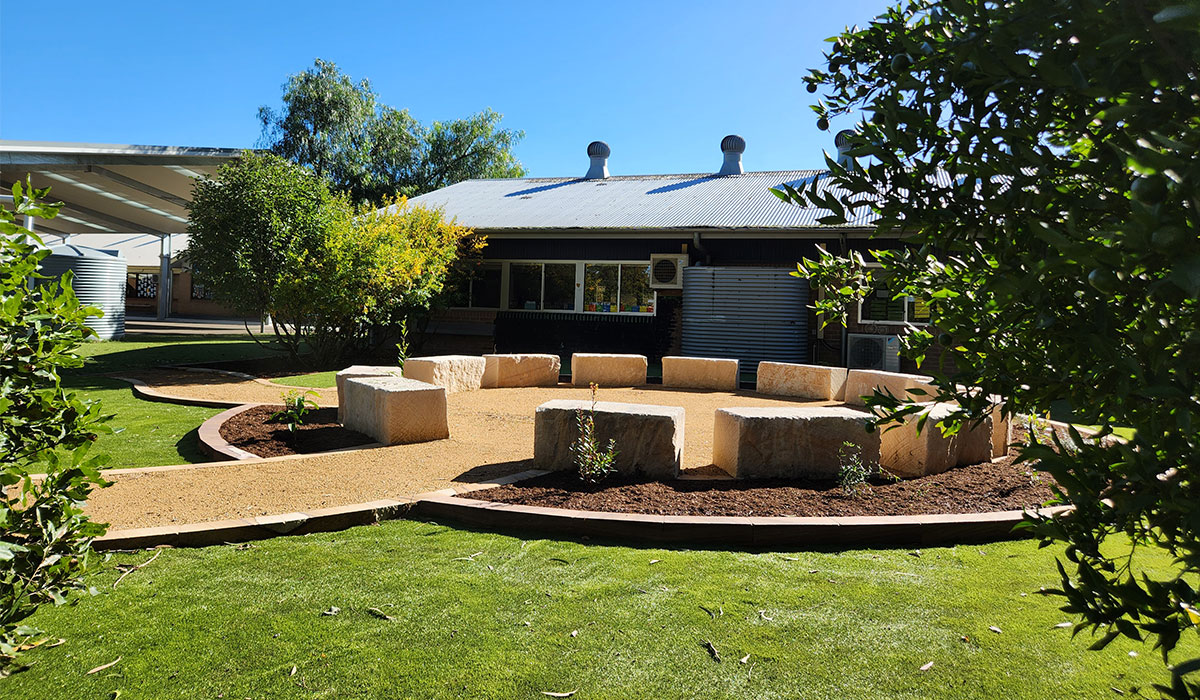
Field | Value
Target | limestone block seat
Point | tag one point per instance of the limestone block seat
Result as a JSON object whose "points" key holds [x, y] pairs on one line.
{"points": [[608, 369], [906, 453], [700, 373], [789, 442], [453, 372], [863, 382], [520, 370], [649, 439], [360, 371], [805, 381], [396, 410]]}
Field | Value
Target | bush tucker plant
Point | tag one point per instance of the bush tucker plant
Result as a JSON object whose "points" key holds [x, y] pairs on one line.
{"points": [[1042, 161], [270, 237], [45, 539], [296, 405], [854, 473], [593, 462]]}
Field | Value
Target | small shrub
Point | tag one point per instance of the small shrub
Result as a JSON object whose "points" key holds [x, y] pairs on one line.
{"points": [[854, 473], [296, 405], [594, 463]]}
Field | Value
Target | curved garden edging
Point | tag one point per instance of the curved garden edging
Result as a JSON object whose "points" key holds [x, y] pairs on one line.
{"points": [[726, 531], [217, 447], [144, 391]]}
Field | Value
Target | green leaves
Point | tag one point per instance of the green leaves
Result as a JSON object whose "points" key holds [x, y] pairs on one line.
{"points": [[1044, 170], [44, 536]]}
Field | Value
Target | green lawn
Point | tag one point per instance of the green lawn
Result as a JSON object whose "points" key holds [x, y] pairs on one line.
{"points": [[152, 351], [145, 433], [482, 615], [315, 380]]}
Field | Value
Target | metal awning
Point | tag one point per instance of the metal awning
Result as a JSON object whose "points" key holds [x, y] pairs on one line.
{"points": [[114, 189]]}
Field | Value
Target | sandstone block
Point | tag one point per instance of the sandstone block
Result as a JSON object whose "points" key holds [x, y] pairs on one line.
{"points": [[453, 372], [700, 373], [608, 370], [789, 442], [906, 453], [520, 370], [396, 410], [863, 382], [360, 371], [649, 439], [807, 381], [1001, 431]]}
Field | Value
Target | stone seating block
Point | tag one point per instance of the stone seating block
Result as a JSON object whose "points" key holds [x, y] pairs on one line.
{"points": [[806, 381], [608, 370], [700, 373], [649, 439], [906, 453], [453, 372], [789, 442], [360, 371], [863, 382], [1001, 431], [520, 370], [396, 410]]}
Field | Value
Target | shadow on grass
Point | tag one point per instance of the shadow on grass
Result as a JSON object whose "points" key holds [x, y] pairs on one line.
{"points": [[188, 447]]}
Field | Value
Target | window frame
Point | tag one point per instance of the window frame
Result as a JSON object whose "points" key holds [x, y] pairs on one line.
{"points": [[580, 266], [908, 299]]}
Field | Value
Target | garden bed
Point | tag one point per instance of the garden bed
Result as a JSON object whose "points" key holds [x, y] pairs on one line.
{"points": [[989, 487], [254, 431]]}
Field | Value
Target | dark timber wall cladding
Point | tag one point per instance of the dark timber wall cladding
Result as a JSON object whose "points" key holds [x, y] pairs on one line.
{"points": [[566, 333], [749, 313]]}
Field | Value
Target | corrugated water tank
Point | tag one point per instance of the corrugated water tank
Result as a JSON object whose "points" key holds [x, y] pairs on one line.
{"points": [[99, 281]]}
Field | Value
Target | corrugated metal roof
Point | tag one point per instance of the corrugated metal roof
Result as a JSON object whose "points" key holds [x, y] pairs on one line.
{"points": [[634, 202]]}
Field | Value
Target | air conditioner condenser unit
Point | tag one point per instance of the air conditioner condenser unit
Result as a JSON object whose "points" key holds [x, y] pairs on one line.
{"points": [[881, 352]]}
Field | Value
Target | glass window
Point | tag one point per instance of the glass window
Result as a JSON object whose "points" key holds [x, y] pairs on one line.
{"points": [[525, 286], [636, 295], [560, 287], [600, 287], [485, 288], [880, 306], [141, 285], [918, 311]]}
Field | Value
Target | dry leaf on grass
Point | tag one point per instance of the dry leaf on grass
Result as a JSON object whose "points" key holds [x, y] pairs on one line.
{"points": [[552, 694], [995, 629], [745, 659], [100, 668], [1063, 625], [376, 612], [293, 671], [927, 666], [333, 610], [712, 650]]}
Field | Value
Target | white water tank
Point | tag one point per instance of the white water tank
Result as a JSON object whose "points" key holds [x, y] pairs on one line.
{"points": [[99, 281]]}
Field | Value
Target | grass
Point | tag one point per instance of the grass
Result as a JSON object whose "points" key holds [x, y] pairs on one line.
{"points": [[314, 380], [485, 615], [120, 355], [145, 434]]}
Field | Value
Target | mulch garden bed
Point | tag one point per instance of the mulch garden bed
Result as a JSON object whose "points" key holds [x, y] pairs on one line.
{"points": [[979, 488], [253, 430]]}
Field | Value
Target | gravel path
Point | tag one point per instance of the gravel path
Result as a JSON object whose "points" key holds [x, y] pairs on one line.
{"points": [[491, 434], [221, 387]]}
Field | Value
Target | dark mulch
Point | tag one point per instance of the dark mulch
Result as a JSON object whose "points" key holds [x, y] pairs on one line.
{"points": [[979, 488], [253, 431]]}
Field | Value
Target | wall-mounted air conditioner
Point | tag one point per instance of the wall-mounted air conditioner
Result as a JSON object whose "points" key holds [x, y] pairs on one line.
{"points": [[666, 271], [880, 352]]}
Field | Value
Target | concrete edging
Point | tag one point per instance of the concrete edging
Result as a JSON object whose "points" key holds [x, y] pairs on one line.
{"points": [[298, 523], [730, 531]]}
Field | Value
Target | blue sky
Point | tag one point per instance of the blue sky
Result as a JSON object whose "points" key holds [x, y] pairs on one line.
{"points": [[660, 82]]}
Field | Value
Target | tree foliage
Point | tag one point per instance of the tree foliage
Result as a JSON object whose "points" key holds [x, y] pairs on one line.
{"points": [[1041, 160], [372, 151], [270, 237], [44, 536]]}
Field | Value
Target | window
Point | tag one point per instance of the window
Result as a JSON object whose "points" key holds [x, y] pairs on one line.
{"points": [[479, 290], [525, 286], [600, 286], [881, 307], [201, 292], [636, 294], [141, 285], [559, 290]]}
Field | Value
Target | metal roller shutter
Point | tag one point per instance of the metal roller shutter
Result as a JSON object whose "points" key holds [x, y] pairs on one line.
{"points": [[749, 313]]}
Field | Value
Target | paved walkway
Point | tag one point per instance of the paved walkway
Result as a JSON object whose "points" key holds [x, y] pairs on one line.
{"points": [[148, 325]]}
